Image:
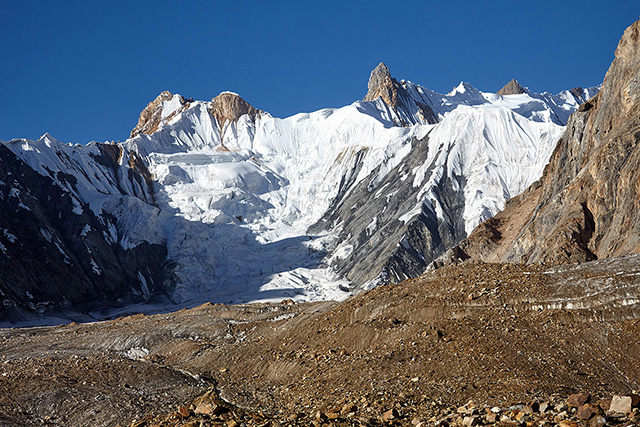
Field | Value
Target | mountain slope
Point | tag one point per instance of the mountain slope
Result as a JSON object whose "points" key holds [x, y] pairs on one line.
{"points": [[56, 252], [585, 206], [459, 173]]}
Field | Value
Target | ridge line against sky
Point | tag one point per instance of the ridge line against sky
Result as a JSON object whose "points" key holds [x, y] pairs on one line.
{"points": [[83, 71]]}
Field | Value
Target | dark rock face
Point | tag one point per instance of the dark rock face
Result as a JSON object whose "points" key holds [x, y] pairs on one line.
{"points": [[586, 205], [53, 258], [512, 88], [385, 248], [138, 174], [577, 92], [382, 85]]}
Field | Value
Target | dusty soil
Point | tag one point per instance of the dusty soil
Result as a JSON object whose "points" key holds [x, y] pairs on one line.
{"points": [[499, 334]]}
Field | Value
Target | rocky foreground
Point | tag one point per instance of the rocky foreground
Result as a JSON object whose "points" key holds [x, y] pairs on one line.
{"points": [[579, 409], [505, 336]]}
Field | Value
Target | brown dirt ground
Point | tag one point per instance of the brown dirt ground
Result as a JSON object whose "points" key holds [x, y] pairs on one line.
{"points": [[495, 333]]}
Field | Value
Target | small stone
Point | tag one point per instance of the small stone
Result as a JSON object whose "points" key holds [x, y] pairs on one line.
{"points": [[520, 415], [232, 423], [209, 409], [491, 417], [568, 423], [578, 399], [635, 400], [586, 411], [348, 408], [496, 410], [545, 406], [204, 409], [320, 416], [621, 404], [391, 414], [470, 421], [531, 408], [506, 421], [182, 410], [598, 421], [604, 404], [333, 415]]}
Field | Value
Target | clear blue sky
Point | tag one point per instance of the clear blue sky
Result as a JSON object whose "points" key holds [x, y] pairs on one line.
{"points": [[83, 70]]}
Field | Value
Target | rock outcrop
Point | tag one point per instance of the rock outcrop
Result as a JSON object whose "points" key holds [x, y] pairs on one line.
{"points": [[228, 107], [153, 116], [586, 205], [512, 88]]}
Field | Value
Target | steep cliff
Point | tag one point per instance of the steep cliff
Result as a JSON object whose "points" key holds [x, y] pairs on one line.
{"points": [[586, 205]]}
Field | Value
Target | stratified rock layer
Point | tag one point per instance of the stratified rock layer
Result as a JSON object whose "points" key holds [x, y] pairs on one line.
{"points": [[586, 204]]}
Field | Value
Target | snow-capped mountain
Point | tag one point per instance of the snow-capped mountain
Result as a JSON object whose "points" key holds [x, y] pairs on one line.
{"points": [[243, 206]]}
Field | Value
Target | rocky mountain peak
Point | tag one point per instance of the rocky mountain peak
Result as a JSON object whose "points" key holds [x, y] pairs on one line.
{"points": [[228, 107], [512, 88], [153, 115], [381, 84], [394, 94]]}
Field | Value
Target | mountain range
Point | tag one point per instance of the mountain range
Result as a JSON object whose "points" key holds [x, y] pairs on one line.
{"points": [[219, 201]]}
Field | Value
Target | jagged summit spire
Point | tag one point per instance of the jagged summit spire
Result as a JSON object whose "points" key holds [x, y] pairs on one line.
{"points": [[512, 88], [394, 94], [381, 84], [380, 76]]}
